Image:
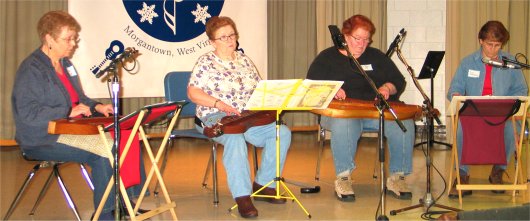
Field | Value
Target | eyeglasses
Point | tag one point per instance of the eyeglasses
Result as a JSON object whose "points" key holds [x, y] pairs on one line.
{"points": [[361, 40], [71, 39], [225, 38]]}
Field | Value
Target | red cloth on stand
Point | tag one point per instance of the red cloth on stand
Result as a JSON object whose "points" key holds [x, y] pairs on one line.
{"points": [[130, 169], [483, 123], [482, 143]]}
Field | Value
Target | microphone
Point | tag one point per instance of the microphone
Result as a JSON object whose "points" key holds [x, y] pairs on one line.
{"points": [[396, 41], [337, 37], [497, 64], [128, 53]]}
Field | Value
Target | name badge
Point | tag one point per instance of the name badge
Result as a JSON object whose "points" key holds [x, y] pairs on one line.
{"points": [[367, 67], [71, 71], [473, 73]]}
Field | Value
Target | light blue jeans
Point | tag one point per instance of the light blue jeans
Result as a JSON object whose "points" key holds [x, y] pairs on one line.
{"points": [[235, 156], [509, 143], [345, 134]]}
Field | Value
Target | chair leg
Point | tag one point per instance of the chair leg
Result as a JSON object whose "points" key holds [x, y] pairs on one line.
{"points": [[322, 139], [69, 199], [214, 175], [255, 156], [21, 191], [86, 176], [207, 172], [42, 192], [163, 166]]}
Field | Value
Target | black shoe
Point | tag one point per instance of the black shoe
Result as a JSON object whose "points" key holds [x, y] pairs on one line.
{"points": [[464, 179], [109, 216], [125, 212], [496, 178]]}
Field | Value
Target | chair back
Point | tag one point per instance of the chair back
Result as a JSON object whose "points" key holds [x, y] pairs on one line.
{"points": [[175, 88]]}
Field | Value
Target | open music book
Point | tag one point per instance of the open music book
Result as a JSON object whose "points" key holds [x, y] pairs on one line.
{"points": [[293, 94]]}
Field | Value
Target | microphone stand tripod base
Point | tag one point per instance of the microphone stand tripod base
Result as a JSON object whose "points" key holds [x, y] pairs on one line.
{"points": [[382, 218]]}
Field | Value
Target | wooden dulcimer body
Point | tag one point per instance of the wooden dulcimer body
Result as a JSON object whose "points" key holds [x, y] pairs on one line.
{"points": [[240, 124], [80, 126], [355, 108]]}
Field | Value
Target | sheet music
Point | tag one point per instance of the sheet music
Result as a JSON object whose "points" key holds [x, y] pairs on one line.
{"points": [[293, 93]]}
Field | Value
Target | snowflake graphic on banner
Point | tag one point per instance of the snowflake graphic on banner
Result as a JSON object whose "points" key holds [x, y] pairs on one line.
{"points": [[172, 20], [147, 13], [201, 14]]}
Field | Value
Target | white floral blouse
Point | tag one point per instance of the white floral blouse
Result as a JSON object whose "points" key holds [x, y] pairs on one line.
{"points": [[231, 81]]}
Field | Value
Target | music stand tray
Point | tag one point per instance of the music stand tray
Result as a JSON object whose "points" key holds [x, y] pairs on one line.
{"points": [[431, 64]]}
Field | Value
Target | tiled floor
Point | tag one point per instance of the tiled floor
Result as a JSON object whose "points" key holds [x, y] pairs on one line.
{"points": [[187, 163]]}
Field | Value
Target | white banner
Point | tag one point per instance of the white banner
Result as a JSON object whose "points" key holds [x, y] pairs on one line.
{"points": [[169, 35]]}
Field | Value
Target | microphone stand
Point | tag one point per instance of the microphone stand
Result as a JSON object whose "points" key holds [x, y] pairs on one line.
{"points": [[115, 104], [381, 106], [113, 72], [427, 201]]}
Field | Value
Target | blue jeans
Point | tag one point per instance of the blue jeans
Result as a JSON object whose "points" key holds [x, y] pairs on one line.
{"points": [[509, 143], [345, 134], [101, 169], [235, 156]]}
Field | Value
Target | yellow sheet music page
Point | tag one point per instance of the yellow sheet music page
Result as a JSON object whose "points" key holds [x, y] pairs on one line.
{"points": [[293, 94]]}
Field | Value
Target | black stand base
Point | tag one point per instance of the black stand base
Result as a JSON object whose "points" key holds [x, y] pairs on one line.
{"points": [[304, 188], [427, 202], [382, 218], [434, 142]]}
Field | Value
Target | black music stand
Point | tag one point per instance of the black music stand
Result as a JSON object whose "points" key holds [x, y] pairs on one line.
{"points": [[428, 71]]}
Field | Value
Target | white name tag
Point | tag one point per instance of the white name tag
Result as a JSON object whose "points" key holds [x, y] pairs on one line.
{"points": [[473, 73], [367, 67], [71, 71]]}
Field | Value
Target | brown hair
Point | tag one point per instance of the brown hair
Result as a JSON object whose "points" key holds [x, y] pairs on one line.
{"points": [[495, 31], [358, 21], [52, 22], [216, 22]]}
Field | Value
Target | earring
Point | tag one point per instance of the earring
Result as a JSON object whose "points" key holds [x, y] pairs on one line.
{"points": [[49, 47]]}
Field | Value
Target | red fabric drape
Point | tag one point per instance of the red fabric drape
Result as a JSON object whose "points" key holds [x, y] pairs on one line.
{"points": [[130, 169], [483, 123]]}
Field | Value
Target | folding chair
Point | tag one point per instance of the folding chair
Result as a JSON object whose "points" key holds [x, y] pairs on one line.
{"points": [[175, 87], [54, 173], [134, 122], [495, 103]]}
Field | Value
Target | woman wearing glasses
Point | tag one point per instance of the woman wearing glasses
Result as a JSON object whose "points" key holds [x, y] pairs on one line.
{"points": [[221, 83], [333, 64], [47, 88]]}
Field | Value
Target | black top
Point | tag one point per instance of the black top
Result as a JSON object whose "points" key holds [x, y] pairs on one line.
{"points": [[330, 64]]}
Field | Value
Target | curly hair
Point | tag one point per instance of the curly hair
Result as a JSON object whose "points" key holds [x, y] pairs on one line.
{"points": [[52, 23], [216, 22]]}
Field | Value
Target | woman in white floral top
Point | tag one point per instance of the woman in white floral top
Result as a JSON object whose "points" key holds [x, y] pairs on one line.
{"points": [[221, 83]]}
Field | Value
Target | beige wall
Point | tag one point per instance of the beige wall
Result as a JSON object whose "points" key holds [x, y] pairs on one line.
{"points": [[425, 22]]}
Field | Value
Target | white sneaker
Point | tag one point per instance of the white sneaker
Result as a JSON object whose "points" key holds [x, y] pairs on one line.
{"points": [[344, 189], [397, 187]]}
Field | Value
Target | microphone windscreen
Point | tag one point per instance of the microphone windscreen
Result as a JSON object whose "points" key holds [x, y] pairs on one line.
{"points": [[336, 36]]}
